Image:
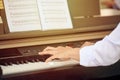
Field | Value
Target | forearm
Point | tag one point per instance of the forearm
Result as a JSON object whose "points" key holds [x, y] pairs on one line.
{"points": [[102, 53]]}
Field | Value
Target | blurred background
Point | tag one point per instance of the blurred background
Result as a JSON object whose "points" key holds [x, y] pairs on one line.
{"points": [[108, 4]]}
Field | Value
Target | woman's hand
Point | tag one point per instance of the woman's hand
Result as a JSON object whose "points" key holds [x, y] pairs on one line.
{"points": [[61, 53]]}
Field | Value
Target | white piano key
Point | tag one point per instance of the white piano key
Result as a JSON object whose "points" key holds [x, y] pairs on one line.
{"points": [[29, 67]]}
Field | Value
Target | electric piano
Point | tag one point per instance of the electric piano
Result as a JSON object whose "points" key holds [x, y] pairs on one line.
{"points": [[24, 64], [19, 59]]}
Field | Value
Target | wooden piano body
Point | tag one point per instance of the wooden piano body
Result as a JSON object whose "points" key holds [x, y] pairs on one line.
{"points": [[88, 28]]}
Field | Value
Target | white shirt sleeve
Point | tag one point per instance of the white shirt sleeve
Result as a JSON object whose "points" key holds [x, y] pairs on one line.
{"points": [[104, 52]]}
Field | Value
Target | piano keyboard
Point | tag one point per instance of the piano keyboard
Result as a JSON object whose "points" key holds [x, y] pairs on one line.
{"points": [[25, 64]]}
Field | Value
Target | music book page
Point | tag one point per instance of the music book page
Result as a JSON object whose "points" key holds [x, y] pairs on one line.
{"points": [[54, 14], [27, 15], [22, 15]]}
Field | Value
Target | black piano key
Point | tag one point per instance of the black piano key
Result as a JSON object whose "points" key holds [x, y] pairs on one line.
{"points": [[10, 63], [17, 62], [22, 59], [21, 62], [37, 60], [5, 64], [33, 60], [26, 61]]}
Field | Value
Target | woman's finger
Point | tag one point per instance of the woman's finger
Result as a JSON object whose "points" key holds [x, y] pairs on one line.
{"points": [[50, 58], [49, 52], [49, 48]]}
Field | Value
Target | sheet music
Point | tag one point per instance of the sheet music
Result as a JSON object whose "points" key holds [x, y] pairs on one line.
{"points": [[22, 15], [26, 15], [54, 14]]}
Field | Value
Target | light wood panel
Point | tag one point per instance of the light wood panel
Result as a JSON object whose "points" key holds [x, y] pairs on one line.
{"points": [[31, 34], [52, 39], [1, 4]]}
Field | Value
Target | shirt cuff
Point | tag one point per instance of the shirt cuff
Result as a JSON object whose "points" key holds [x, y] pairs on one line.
{"points": [[87, 56]]}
